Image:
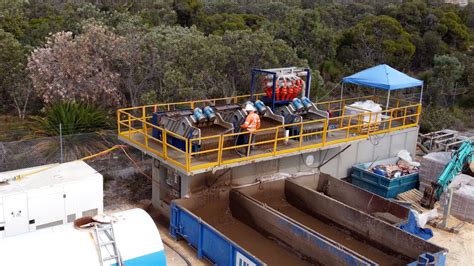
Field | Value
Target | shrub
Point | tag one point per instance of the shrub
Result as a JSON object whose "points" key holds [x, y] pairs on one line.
{"points": [[436, 118], [73, 117]]}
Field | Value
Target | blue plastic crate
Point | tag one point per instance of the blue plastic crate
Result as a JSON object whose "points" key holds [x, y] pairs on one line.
{"points": [[381, 185]]}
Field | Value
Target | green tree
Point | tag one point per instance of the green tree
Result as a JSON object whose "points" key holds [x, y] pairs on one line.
{"points": [[177, 63], [303, 30], [12, 17], [257, 49], [375, 40], [443, 85], [219, 23], [455, 31], [411, 14], [187, 11], [14, 86]]}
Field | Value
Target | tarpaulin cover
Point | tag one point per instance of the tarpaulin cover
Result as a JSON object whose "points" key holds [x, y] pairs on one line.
{"points": [[383, 77], [412, 227]]}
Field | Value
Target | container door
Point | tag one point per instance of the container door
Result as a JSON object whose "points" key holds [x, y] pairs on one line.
{"points": [[15, 211], [46, 207]]}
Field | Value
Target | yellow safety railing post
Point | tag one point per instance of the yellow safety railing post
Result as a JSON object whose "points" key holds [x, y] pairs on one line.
{"points": [[118, 122], [129, 127], [249, 144], [360, 122], [390, 120], [418, 113], [325, 131], [301, 134], [275, 144], [187, 155], [219, 152], [341, 120], [145, 128], [405, 116], [376, 127], [348, 127], [369, 124], [165, 143]]}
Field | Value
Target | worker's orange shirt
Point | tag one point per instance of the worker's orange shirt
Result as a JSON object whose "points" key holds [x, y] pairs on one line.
{"points": [[252, 122]]}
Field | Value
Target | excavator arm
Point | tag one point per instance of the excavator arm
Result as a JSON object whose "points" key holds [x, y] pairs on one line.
{"points": [[460, 157]]}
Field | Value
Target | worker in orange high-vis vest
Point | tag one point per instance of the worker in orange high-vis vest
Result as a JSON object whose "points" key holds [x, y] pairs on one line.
{"points": [[252, 123]]}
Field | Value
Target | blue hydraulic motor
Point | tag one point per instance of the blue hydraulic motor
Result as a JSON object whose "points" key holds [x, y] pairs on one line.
{"points": [[211, 116], [306, 102], [198, 115], [297, 104], [261, 108]]}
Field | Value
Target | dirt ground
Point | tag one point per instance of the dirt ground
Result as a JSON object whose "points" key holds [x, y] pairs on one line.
{"points": [[460, 246], [125, 192]]}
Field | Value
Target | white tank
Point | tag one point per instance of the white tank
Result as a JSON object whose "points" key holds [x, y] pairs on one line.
{"points": [[136, 235]]}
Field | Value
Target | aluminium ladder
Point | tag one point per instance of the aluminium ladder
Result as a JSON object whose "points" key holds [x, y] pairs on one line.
{"points": [[108, 243]]}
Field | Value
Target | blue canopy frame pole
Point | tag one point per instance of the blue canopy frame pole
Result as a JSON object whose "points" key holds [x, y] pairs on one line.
{"points": [[421, 94], [340, 102], [388, 101]]}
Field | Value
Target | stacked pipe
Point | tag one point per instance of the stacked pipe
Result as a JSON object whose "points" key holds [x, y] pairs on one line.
{"points": [[287, 87]]}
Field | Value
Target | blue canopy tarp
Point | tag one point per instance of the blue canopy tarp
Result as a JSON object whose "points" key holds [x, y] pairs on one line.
{"points": [[383, 77]]}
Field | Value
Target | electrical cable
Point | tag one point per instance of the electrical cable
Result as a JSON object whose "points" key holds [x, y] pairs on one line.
{"points": [[236, 140], [334, 156], [219, 176], [329, 92], [177, 252]]}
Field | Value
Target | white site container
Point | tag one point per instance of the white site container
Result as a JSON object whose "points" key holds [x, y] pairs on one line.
{"points": [[49, 195], [137, 237]]}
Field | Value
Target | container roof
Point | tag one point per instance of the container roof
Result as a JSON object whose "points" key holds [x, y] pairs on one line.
{"points": [[383, 77], [44, 176]]}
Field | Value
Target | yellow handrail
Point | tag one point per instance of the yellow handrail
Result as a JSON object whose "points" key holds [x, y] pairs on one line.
{"points": [[133, 122]]}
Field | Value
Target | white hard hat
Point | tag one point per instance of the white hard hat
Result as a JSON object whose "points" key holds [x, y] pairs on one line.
{"points": [[249, 107]]}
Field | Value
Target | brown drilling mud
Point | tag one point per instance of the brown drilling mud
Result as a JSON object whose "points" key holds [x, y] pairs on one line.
{"points": [[270, 134], [211, 143], [266, 122], [212, 130], [218, 215], [276, 200]]}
